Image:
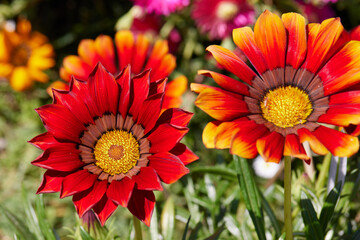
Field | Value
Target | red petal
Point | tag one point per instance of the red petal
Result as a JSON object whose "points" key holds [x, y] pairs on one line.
{"points": [[158, 53], [176, 117], [87, 52], [232, 63], [44, 141], [315, 144], [271, 147], [294, 148], [139, 92], [141, 205], [147, 179], [76, 106], [77, 182], [341, 115], [74, 65], [64, 157], [225, 132], [243, 143], [338, 143], [167, 166], [105, 48], [140, 52], [353, 130], [104, 208], [120, 191], [124, 81], [150, 112], [221, 105], [51, 182], [184, 153], [165, 67], [157, 86], [61, 123], [104, 90], [165, 137], [226, 82], [85, 200]]}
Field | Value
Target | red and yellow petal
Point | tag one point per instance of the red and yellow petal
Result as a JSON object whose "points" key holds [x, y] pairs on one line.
{"points": [[232, 63], [165, 67], [296, 47], [209, 134], [167, 166], [124, 41], [315, 144], [225, 133], [77, 182], [342, 70], [140, 53], [294, 148], [105, 48], [271, 147], [74, 65], [175, 117], [221, 105], [85, 200], [244, 39], [243, 142], [120, 191], [338, 143], [341, 115], [142, 204], [87, 52], [270, 37]]}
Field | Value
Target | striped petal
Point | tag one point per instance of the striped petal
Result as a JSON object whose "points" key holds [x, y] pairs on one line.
{"points": [[294, 148], [140, 53], [316, 146], [124, 41], [87, 52], [139, 92], [225, 132], [209, 134], [75, 66], [271, 147], [270, 37], [105, 48]]}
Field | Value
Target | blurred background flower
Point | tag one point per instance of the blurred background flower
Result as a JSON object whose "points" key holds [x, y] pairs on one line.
{"points": [[162, 7]]}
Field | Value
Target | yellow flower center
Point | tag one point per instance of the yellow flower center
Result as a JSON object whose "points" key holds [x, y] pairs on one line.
{"points": [[20, 55], [227, 10], [286, 106], [116, 152]]}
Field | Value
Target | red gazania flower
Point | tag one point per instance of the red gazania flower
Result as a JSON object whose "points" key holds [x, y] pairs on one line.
{"points": [[298, 87], [135, 50], [108, 145]]}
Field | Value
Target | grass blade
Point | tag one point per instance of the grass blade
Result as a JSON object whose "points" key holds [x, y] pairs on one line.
{"points": [[251, 195], [271, 215], [312, 225]]}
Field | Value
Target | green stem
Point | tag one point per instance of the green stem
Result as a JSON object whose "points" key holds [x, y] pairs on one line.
{"points": [[137, 226], [287, 198]]}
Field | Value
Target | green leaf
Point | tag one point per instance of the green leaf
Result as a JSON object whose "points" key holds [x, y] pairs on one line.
{"points": [[19, 225], [356, 235], [329, 206], [251, 195], [186, 228], [194, 234], [216, 234], [168, 219], [271, 215], [312, 225], [217, 170], [43, 223], [84, 234]]}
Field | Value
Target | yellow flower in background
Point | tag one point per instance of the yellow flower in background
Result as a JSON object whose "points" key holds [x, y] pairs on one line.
{"points": [[24, 55]]}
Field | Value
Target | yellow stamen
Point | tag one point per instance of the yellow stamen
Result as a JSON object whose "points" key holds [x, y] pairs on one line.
{"points": [[116, 152], [286, 106]]}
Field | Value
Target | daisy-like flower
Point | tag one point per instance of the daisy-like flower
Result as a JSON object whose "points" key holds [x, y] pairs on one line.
{"points": [[108, 145], [162, 7], [24, 54], [219, 17], [135, 50], [295, 95]]}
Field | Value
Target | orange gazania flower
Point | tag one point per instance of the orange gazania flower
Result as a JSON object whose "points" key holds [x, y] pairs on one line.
{"points": [[24, 55], [135, 50], [301, 73], [108, 145]]}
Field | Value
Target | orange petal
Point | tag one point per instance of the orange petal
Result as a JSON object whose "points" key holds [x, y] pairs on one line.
{"points": [[342, 70], [296, 47], [244, 39], [140, 54], [232, 63], [5, 69], [315, 144], [271, 147], [226, 82], [209, 134], [165, 67], [221, 105], [40, 62], [58, 85], [38, 75], [64, 74], [294, 148], [323, 41], [225, 132], [105, 48], [124, 41], [338, 143], [20, 79], [341, 115], [270, 37], [159, 50], [87, 52], [176, 87], [45, 50], [243, 143], [75, 66]]}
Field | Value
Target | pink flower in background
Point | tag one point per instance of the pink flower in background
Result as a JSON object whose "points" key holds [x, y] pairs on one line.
{"points": [[219, 17], [162, 7], [316, 13]]}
